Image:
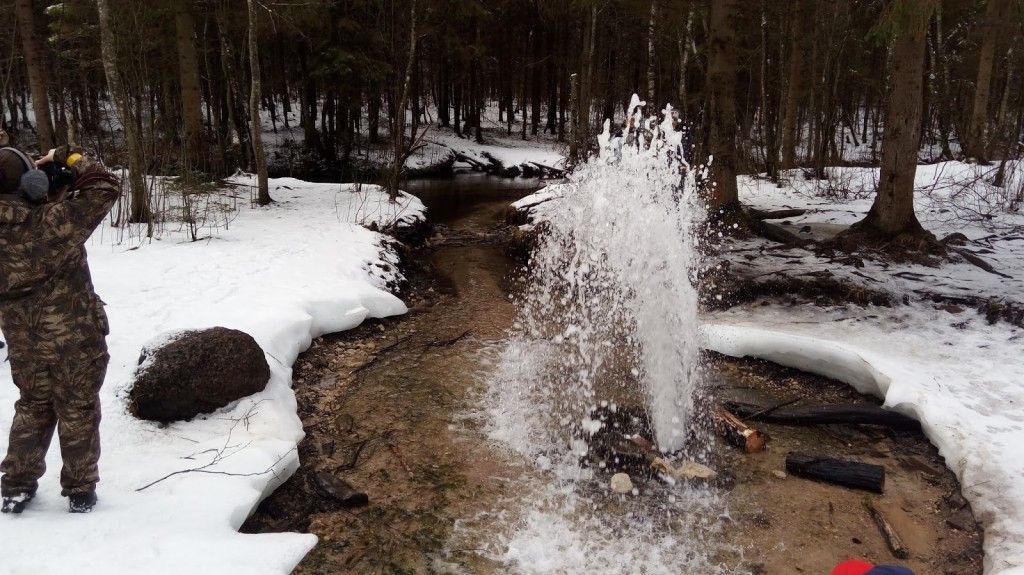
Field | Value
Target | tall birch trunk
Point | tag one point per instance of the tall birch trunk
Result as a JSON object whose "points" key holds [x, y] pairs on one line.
{"points": [[255, 128]]}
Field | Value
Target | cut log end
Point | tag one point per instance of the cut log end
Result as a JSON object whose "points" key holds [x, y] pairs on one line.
{"points": [[738, 433]]}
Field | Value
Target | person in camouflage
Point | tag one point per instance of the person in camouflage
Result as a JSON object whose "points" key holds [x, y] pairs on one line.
{"points": [[55, 328]]}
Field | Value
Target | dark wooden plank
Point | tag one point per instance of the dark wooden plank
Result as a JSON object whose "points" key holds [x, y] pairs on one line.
{"points": [[853, 414], [854, 474]]}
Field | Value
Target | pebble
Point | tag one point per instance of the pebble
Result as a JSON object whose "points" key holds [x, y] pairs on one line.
{"points": [[779, 474], [621, 483], [689, 470]]}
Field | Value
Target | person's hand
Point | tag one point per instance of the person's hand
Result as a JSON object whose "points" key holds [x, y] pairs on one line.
{"points": [[48, 158]]}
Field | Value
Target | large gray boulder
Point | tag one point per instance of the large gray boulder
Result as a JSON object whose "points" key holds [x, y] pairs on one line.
{"points": [[197, 372]]}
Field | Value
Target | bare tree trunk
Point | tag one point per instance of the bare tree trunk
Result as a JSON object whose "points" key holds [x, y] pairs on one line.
{"points": [[684, 61], [191, 95], [976, 140], [398, 114], [942, 90], [580, 97], [255, 128], [140, 210], [892, 213], [796, 68], [722, 63], [38, 72], [650, 55], [768, 106]]}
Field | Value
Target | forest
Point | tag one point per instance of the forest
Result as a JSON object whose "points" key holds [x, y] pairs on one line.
{"points": [[171, 86]]}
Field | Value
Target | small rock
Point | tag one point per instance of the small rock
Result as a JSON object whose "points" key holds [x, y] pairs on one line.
{"points": [[340, 490], [687, 471], [962, 520], [779, 474], [955, 238], [694, 470], [621, 483]]}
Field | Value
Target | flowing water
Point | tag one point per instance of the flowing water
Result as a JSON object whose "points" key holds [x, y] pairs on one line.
{"points": [[606, 331], [468, 468]]}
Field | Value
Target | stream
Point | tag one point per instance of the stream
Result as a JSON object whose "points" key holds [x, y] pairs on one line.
{"points": [[402, 409]]}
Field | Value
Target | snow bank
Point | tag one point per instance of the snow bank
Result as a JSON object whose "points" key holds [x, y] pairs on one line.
{"points": [[284, 274], [960, 377], [545, 194]]}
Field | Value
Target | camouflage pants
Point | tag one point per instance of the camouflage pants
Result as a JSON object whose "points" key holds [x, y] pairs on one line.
{"points": [[62, 396]]}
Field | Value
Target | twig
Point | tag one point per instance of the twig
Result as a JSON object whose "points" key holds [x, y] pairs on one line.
{"points": [[892, 539], [205, 469], [377, 353], [768, 410], [226, 451], [398, 455]]}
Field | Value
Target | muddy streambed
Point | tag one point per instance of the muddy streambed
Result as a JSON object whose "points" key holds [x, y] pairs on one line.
{"points": [[392, 408]]}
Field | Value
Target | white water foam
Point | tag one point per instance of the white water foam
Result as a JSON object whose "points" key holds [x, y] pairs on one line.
{"points": [[608, 317]]}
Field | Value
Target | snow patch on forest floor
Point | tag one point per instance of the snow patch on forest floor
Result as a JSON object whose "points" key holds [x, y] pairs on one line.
{"points": [[508, 150], [285, 274], [950, 368], [951, 197], [440, 146]]}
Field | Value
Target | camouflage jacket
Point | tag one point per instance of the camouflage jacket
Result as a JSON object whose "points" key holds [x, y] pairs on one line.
{"points": [[48, 306]]}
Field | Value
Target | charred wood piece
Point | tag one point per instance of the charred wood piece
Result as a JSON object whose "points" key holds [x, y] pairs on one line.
{"points": [[853, 474], [855, 414]]}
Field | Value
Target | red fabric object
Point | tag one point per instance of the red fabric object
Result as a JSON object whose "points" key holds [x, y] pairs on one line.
{"points": [[852, 567]]}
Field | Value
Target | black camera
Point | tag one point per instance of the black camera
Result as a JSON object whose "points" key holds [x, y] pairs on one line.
{"points": [[58, 175]]}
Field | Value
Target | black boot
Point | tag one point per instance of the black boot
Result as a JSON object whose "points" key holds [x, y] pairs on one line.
{"points": [[16, 503], [82, 502]]}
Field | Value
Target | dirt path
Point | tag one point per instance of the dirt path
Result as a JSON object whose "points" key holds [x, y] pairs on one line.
{"points": [[385, 408]]}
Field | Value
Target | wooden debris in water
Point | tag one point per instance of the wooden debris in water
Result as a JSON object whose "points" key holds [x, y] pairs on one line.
{"points": [[738, 433], [892, 539], [689, 470], [854, 474], [854, 414]]}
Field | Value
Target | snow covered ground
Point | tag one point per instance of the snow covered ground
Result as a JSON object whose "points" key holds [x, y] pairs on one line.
{"points": [[951, 197], [960, 375], [284, 274]]}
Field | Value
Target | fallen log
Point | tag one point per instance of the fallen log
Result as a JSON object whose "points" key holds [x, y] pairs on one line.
{"points": [[738, 433], [853, 414], [776, 214], [853, 474], [546, 170], [477, 164], [892, 539]]}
